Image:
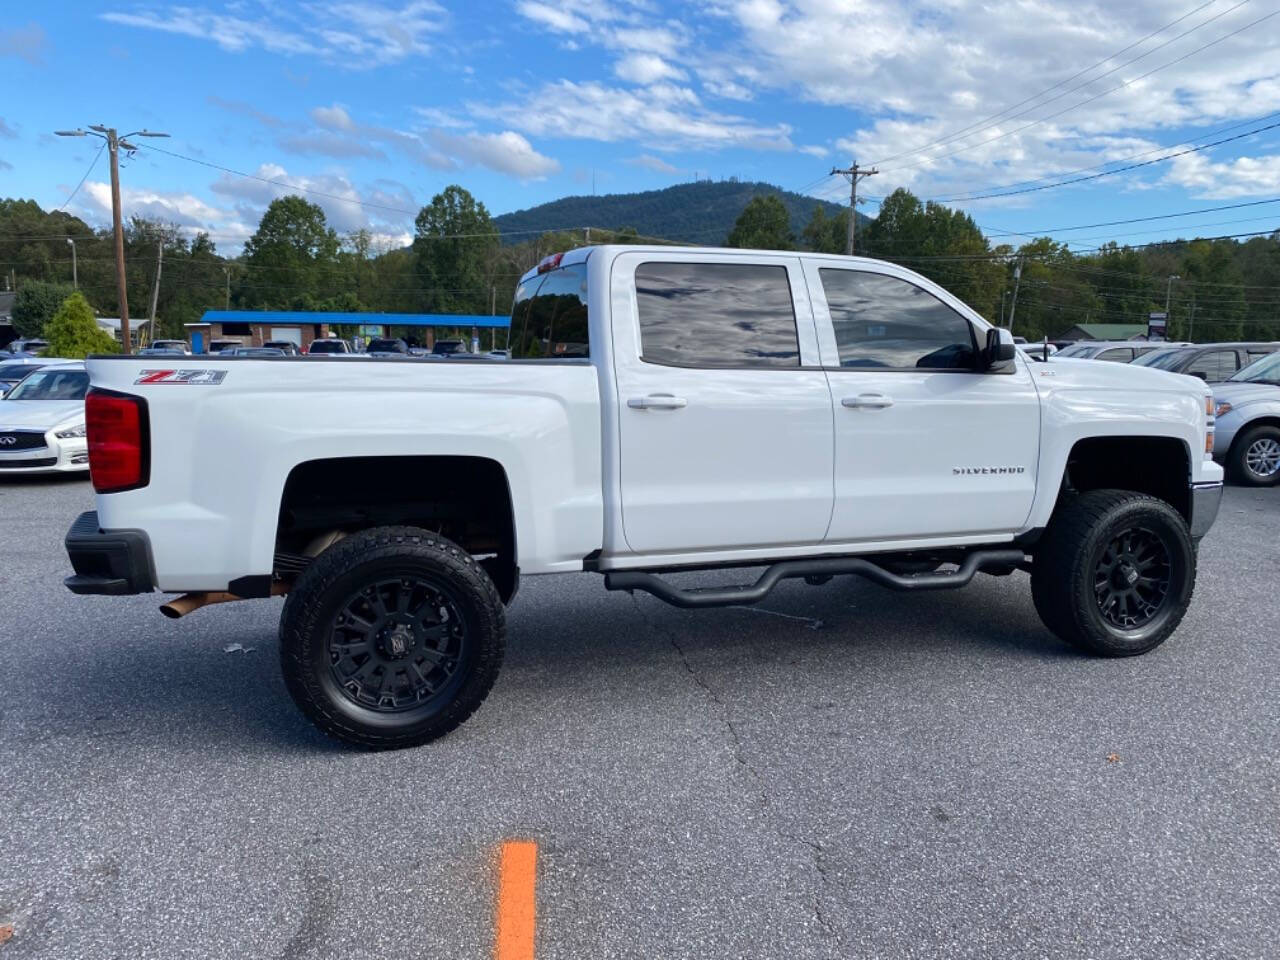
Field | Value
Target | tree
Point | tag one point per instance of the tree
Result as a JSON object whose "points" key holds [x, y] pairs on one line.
{"points": [[823, 234], [764, 224], [74, 333], [292, 254], [455, 250], [35, 304]]}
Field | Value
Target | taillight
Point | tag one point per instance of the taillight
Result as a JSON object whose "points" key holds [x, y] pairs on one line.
{"points": [[119, 458]]}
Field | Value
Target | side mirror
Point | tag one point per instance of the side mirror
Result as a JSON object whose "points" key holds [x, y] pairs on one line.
{"points": [[1000, 348]]}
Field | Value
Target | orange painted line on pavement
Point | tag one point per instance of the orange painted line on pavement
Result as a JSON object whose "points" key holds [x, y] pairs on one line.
{"points": [[517, 883]]}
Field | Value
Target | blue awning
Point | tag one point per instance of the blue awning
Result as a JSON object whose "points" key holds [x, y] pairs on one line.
{"points": [[356, 319]]}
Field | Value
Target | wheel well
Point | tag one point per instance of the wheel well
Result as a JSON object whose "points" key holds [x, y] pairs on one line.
{"points": [[1268, 421], [466, 499], [1158, 466]]}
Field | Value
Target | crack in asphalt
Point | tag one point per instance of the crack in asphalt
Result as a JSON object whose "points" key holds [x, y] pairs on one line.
{"points": [[815, 849]]}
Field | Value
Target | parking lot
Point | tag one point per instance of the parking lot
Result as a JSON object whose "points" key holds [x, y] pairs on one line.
{"points": [[840, 772]]}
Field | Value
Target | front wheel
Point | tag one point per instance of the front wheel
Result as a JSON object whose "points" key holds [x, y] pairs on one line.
{"points": [[1255, 457], [1114, 572], [391, 637]]}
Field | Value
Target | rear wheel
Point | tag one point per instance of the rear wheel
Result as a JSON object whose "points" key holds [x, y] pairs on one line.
{"points": [[1114, 572], [1255, 457], [391, 638]]}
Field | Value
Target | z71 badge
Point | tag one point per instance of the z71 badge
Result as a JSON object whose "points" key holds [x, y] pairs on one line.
{"points": [[195, 377]]}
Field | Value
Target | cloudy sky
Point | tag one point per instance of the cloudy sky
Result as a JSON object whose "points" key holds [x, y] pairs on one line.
{"points": [[374, 106]]}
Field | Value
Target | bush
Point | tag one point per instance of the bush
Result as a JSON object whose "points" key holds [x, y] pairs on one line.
{"points": [[74, 333], [35, 304]]}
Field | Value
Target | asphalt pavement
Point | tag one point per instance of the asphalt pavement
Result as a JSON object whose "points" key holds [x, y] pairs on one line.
{"points": [[839, 772]]}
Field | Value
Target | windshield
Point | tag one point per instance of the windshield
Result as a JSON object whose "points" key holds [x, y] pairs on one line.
{"points": [[52, 385], [327, 346], [16, 371], [1157, 357], [1076, 350], [1161, 359], [1265, 370]]}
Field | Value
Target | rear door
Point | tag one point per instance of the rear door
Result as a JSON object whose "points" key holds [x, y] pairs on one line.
{"points": [[724, 414], [925, 446]]}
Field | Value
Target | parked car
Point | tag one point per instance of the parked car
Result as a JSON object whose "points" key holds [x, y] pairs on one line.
{"points": [[12, 371], [252, 352], [693, 428], [1211, 362], [177, 346], [445, 348], [325, 345], [1117, 351], [1247, 438], [387, 347], [32, 345], [1038, 351], [218, 346], [288, 347], [42, 421], [155, 351]]}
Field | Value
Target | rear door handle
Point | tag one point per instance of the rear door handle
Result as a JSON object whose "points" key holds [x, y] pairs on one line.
{"points": [[657, 401], [872, 401]]}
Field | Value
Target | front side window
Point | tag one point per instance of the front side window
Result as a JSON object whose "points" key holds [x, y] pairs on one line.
{"points": [[716, 315], [549, 317], [1214, 366], [882, 322]]}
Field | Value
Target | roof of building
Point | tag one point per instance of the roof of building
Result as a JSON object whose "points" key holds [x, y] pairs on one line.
{"points": [[113, 323], [1112, 331], [355, 319]]}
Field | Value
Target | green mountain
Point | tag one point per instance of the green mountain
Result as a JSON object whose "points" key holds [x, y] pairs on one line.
{"points": [[701, 212]]}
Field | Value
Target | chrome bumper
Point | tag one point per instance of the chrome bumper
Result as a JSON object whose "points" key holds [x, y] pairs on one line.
{"points": [[1205, 500]]}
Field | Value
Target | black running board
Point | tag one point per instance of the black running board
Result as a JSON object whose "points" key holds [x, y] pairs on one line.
{"points": [[695, 597]]}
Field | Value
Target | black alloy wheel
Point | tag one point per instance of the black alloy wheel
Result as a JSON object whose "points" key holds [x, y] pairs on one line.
{"points": [[1132, 578], [397, 644]]}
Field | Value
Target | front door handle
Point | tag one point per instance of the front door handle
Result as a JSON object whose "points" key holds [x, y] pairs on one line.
{"points": [[872, 401], [657, 401]]}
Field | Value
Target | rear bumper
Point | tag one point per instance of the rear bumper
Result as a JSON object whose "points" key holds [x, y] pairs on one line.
{"points": [[111, 562], [1205, 500]]}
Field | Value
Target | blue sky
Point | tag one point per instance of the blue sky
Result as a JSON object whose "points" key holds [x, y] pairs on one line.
{"points": [[381, 104]]}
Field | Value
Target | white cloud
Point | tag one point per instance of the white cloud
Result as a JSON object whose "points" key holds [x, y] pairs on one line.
{"points": [[646, 68], [505, 152], [662, 114], [352, 34], [333, 118], [815, 150], [1239, 177], [28, 43], [656, 164]]}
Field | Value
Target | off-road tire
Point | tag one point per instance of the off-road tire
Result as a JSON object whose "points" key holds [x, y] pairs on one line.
{"points": [[318, 598], [1237, 462], [1067, 562]]}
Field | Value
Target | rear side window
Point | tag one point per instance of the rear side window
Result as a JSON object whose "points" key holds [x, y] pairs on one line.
{"points": [[882, 322], [1117, 355], [549, 318], [716, 315]]}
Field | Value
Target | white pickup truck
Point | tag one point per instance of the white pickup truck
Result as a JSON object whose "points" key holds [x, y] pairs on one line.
{"points": [[664, 409]]}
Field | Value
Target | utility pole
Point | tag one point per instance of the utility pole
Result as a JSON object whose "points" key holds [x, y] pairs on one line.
{"points": [[854, 173], [1004, 295], [114, 143], [155, 290], [1017, 282], [227, 271], [75, 281], [1191, 328]]}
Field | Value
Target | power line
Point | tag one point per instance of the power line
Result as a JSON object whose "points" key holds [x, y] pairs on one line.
{"points": [[1108, 173], [92, 163], [1035, 96], [1099, 96], [1119, 223]]}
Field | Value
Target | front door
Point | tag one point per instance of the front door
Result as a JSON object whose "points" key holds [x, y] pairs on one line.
{"points": [[724, 414], [924, 445]]}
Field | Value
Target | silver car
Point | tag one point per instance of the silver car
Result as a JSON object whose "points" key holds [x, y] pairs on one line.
{"points": [[1247, 432]]}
